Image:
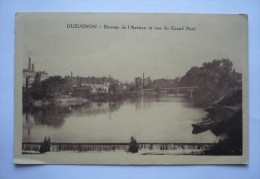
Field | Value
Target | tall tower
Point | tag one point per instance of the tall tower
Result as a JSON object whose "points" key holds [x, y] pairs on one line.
{"points": [[143, 80], [142, 90], [29, 64]]}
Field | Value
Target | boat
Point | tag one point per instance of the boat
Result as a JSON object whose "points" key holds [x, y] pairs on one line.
{"points": [[221, 110], [204, 124]]}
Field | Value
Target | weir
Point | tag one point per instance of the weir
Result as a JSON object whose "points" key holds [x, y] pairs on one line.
{"points": [[85, 147]]}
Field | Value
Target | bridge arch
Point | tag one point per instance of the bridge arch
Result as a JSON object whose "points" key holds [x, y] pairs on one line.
{"points": [[173, 90]]}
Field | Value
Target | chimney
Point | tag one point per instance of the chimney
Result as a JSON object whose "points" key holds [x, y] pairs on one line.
{"points": [[29, 64], [32, 67], [71, 74], [143, 79]]}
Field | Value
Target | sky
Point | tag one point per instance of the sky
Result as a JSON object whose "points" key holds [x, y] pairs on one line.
{"points": [[128, 53]]}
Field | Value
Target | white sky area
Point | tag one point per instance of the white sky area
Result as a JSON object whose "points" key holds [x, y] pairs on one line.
{"points": [[126, 54]]}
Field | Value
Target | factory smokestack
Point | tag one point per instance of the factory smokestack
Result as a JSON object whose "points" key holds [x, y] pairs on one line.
{"points": [[32, 67], [29, 64], [143, 79]]}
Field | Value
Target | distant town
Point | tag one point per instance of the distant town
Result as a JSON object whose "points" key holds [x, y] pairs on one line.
{"points": [[198, 82], [215, 86], [87, 87]]}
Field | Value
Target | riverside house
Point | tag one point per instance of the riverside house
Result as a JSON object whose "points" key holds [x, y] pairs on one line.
{"points": [[87, 85]]}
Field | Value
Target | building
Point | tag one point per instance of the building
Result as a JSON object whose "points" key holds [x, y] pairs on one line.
{"points": [[41, 76], [146, 81], [92, 84], [82, 91], [30, 75], [141, 83], [101, 84]]}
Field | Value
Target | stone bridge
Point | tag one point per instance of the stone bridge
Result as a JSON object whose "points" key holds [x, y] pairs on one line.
{"points": [[174, 90]]}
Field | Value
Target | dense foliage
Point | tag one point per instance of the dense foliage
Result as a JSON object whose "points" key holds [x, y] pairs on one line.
{"points": [[163, 83], [49, 88], [215, 79]]}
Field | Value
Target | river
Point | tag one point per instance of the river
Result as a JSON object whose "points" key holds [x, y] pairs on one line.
{"points": [[155, 120]]}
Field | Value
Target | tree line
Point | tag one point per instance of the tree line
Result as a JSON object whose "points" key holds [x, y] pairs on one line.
{"points": [[214, 79]]}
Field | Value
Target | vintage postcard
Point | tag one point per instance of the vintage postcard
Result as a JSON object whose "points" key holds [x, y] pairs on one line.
{"points": [[131, 88]]}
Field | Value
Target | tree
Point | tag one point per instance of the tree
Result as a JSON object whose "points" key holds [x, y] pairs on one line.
{"points": [[138, 83], [215, 79], [157, 91], [49, 88], [133, 145], [114, 88]]}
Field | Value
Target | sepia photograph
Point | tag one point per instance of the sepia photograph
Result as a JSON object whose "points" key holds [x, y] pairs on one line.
{"points": [[131, 88]]}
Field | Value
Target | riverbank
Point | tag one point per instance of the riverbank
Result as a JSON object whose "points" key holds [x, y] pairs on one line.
{"points": [[225, 116], [79, 100]]}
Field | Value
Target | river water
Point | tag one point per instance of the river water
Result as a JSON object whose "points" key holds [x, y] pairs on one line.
{"points": [[155, 120]]}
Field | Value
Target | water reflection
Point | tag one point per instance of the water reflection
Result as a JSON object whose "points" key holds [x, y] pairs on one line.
{"points": [[158, 119], [94, 108], [50, 115], [54, 115]]}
